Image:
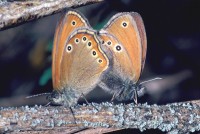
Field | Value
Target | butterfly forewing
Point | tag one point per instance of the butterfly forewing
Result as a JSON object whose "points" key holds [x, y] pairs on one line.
{"points": [[140, 25], [67, 24], [125, 28]]}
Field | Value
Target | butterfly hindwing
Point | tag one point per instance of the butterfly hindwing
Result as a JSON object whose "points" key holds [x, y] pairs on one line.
{"points": [[83, 61]]}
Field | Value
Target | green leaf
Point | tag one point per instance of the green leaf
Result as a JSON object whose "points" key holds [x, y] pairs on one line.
{"points": [[46, 76]]}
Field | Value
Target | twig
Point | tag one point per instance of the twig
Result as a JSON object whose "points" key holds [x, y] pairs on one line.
{"points": [[176, 117], [18, 12]]}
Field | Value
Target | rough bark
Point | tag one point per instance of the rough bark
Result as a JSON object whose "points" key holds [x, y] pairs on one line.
{"points": [[18, 12], [179, 117]]}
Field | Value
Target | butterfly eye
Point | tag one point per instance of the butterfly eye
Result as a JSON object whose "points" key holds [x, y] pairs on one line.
{"points": [[118, 48], [124, 24], [109, 43], [84, 39], [76, 40], [73, 23], [69, 48]]}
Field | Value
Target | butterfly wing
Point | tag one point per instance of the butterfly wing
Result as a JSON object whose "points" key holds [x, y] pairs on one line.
{"points": [[119, 54], [142, 34], [128, 29], [83, 61], [67, 24]]}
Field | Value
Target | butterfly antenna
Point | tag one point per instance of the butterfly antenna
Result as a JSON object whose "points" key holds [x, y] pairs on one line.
{"points": [[36, 95], [157, 78]]}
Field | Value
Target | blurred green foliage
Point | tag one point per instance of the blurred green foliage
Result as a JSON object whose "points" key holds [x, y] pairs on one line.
{"points": [[47, 74], [45, 77]]}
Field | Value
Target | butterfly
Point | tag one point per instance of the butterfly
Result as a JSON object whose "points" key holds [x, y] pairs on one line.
{"points": [[78, 61], [112, 58], [125, 37]]}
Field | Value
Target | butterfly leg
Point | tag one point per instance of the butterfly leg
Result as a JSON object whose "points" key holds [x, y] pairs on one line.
{"points": [[85, 98], [79, 129], [113, 97], [88, 102], [72, 112], [116, 94], [135, 97], [103, 86]]}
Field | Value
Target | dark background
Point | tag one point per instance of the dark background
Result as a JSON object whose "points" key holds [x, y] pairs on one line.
{"points": [[173, 36], [173, 31]]}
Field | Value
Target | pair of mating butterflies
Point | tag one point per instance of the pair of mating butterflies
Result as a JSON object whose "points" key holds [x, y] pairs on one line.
{"points": [[112, 58]]}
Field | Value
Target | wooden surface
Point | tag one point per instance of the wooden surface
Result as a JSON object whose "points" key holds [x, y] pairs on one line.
{"points": [[18, 12], [176, 117]]}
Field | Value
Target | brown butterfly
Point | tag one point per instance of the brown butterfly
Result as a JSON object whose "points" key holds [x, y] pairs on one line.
{"points": [[78, 61], [67, 24], [125, 37]]}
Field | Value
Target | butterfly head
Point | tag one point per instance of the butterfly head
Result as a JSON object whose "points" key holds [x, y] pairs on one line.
{"points": [[66, 98]]}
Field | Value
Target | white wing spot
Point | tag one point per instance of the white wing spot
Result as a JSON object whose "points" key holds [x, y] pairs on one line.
{"points": [[69, 48], [84, 39], [118, 48], [73, 23], [94, 53], [76, 40], [124, 24]]}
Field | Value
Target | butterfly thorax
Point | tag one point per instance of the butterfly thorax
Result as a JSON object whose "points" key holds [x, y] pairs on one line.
{"points": [[124, 88], [131, 91], [68, 97]]}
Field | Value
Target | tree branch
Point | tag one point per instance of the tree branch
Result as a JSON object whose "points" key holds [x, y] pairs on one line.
{"points": [[176, 117], [18, 12]]}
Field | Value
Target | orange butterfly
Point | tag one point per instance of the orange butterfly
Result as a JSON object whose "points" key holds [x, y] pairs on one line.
{"points": [[125, 36]]}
